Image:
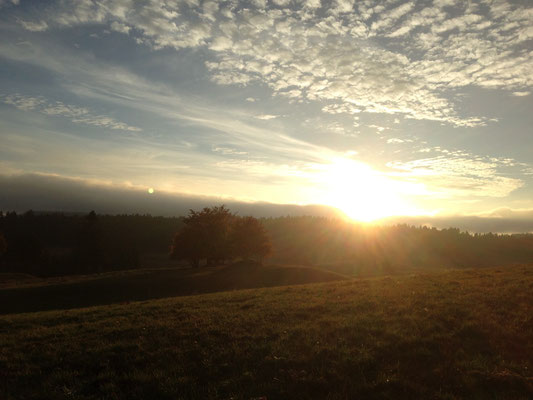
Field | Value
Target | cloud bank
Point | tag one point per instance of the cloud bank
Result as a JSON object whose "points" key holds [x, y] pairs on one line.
{"points": [[53, 193]]}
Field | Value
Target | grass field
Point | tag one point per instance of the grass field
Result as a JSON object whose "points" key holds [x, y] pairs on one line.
{"points": [[447, 335], [20, 293]]}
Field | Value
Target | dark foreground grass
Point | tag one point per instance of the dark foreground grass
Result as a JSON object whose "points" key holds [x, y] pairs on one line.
{"points": [[24, 295], [463, 334]]}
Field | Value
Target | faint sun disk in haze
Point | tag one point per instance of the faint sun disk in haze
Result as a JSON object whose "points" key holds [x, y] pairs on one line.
{"points": [[151, 190], [362, 193]]}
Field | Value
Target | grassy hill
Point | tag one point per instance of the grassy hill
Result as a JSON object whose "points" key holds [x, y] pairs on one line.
{"points": [[24, 293], [448, 335]]}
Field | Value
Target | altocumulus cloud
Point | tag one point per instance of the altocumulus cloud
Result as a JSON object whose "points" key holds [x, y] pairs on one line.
{"points": [[326, 50]]}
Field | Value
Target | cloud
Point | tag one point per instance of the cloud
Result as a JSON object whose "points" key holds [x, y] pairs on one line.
{"points": [[299, 52], [118, 27], [41, 192], [413, 61], [156, 156], [37, 26], [390, 17], [95, 80], [395, 141], [105, 122], [228, 151], [378, 128], [460, 23], [64, 110], [76, 114], [521, 94], [340, 109], [24, 103], [509, 213], [312, 4], [266, 117], [9, 2], [460, 175], [341, 6], [221, 43]]}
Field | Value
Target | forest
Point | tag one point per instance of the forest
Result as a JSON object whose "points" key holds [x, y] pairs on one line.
{"points": [[52, 244]]}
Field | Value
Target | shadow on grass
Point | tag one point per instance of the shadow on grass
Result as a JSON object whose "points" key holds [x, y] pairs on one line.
{"points": [[153, 284]]}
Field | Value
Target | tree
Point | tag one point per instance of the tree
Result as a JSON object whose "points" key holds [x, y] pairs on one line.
{"points": [[3, 245], [88, 250], [26, 251], [250, 239], [217, 223], [3, 248], [205, 235], [188, 245]]}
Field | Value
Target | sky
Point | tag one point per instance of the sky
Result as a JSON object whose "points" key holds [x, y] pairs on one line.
{"points": [[377, 108]]}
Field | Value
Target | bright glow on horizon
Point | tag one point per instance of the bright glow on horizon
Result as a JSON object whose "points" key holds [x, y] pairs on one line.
{"points": [[363, 193]]}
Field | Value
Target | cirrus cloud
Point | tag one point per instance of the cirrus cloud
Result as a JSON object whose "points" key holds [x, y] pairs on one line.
{"points": [[76, 114]]}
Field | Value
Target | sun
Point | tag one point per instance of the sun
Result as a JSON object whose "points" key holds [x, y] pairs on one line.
{"points": [[363, 193]]}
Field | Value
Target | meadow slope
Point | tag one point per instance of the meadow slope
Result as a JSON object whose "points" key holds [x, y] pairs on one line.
{"points": [[28, 295], [449, 335]]}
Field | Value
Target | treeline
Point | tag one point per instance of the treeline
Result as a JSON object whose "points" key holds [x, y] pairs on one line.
{"points": [[216, 235], [56, 244], [348, 247]]}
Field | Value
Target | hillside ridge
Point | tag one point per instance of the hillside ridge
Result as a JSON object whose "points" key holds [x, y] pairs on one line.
{"points": [[446, 335], [137, 285]]}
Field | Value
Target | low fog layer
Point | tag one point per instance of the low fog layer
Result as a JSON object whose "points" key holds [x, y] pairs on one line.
{"points": [[502, 221], [52, 193]]}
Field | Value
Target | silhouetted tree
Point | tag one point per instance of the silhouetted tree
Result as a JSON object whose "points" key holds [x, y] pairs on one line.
{"points": [[88, 252], [219, 221], [250, 239], [25, 253], [3, 245], [206, 235], [188, 245], [3, 248]]}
